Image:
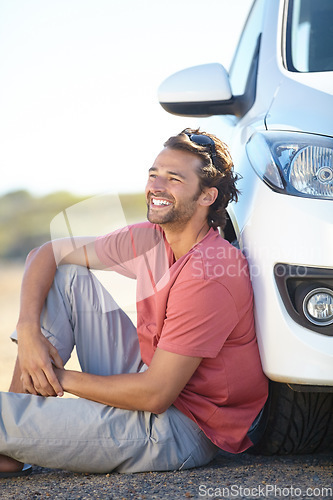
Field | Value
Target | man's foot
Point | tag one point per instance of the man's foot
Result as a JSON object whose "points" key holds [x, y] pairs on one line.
{"points": [[8, 464], [10, 468]]}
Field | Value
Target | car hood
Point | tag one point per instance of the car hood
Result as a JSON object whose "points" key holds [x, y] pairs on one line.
{"points": [[303, 102]]}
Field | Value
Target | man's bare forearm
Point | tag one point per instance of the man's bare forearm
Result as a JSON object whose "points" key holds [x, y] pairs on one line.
{"points": [[132, 391], [152, 390], [37, 280]]}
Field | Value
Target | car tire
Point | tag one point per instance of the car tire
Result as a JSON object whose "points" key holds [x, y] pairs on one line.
{"points": [[296, 422]]}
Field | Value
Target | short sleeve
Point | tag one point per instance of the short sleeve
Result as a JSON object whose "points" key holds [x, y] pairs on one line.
{"points": [[116, 251], [124, 250], [200, 316]]}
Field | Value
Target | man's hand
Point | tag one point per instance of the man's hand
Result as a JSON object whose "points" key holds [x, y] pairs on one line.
{"points": [[36, 358]]}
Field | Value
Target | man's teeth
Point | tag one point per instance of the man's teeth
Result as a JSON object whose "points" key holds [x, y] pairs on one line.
{"points": [[160, 202]]}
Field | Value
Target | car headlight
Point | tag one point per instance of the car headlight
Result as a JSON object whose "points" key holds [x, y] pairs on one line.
{"points": [[293, 163]]}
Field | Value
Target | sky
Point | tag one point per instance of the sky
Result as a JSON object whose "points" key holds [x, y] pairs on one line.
{"points": [[78, 86]]}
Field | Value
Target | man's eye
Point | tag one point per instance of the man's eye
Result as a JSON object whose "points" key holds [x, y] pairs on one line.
{"points": [[175, 179]]}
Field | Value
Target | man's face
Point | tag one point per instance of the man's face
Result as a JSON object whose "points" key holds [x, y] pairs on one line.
{"points": [[172, 189]]}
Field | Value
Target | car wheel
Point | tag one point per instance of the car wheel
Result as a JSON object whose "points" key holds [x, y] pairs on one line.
{"points": [[296, 422]]}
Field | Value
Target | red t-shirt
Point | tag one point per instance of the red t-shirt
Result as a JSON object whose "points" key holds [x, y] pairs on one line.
{"points": [[200, 305]]}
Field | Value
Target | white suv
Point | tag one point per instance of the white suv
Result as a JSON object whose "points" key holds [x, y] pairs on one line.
{"points": [[275, 110]]}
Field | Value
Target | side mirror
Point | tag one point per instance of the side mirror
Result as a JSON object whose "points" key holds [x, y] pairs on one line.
{"points": [[198, 91]]}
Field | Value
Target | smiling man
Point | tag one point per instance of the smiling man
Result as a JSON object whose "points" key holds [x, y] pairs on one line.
{"points": [[169, 393]]}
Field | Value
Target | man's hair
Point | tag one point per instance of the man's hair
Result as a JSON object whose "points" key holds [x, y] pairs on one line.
{"points": [[221, 176]]}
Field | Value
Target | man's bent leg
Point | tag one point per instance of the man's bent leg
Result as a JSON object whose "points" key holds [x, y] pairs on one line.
{"points": [[80, 312], [106, 339]]}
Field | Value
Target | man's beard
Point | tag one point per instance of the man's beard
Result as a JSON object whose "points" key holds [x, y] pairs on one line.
{"points": [[174, 216]]}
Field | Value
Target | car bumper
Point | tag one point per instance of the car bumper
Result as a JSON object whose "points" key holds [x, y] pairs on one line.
{"points": [[299, 232]]}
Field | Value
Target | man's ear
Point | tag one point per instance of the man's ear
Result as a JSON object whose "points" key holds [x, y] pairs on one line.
{"points": [[208, 196]]}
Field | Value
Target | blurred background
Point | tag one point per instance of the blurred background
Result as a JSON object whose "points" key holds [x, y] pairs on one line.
{"points": [[80, 123]]}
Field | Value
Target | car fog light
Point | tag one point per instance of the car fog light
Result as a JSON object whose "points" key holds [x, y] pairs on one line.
{"points": [[318, 306]]}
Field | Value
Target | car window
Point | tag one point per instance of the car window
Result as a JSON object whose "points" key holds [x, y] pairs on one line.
{"points": [[247, 49], [309, 33]]}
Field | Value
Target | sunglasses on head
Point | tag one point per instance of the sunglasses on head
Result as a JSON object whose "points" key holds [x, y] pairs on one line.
{"points": [[204, 140]]}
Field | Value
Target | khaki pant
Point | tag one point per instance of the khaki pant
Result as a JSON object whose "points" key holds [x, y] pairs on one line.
{"points": [[81, 435]]}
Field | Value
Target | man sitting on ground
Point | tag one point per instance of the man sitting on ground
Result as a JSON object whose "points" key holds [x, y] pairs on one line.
{"points": [[169, 393]]}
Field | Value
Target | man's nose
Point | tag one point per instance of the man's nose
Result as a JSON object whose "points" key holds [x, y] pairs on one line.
{"points": [[158, 184]]}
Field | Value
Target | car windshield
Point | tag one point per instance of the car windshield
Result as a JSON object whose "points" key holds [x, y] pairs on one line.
{"points": [[309, 46]]}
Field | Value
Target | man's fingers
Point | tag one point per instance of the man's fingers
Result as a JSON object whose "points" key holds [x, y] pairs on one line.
{"points": [[27, 384], [56, 358], [53, 379], [47, 383], [42, 385], [54, 382]]}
